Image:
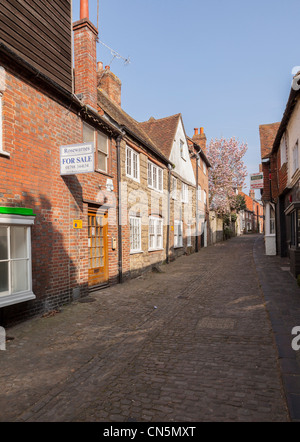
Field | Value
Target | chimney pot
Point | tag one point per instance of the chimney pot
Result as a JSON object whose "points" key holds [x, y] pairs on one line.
{"points": [[99, 66], [107, 68], [201, 131], [84, 9], [196, 131]]}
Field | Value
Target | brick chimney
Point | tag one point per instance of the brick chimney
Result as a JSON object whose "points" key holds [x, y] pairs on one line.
{"points": [[109, 83], [200, 138], [85, 57]]}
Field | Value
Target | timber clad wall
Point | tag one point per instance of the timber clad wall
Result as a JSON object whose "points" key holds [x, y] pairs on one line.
{"points": [[39, 31]]}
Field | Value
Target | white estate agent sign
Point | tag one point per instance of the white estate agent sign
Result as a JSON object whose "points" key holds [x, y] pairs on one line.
{"points": [[77, 158], [257, 181]]}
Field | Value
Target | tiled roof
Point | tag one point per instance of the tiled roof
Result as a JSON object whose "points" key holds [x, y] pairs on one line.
{"points": [[162, 131], [248, 201], [117, 114], [267, 134]]}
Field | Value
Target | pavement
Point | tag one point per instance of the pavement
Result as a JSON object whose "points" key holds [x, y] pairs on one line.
{"points": [[207, 339]]}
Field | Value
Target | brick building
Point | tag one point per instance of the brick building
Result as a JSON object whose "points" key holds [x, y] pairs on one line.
{"points": [[285, 176], [45, 261], [143, 184], [267, 134], [201, 167], [65, 232], [188, 200]]}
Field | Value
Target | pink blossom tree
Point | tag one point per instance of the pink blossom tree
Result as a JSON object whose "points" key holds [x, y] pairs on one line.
{"points": [[227, 174]]}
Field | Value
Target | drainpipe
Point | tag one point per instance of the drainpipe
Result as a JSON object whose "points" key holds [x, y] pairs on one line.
{"points": [[120, 256], [169, 209], [197, 207]]}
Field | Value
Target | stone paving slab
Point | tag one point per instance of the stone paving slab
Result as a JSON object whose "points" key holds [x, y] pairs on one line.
{"points": [[282, 296], [191, 344]]}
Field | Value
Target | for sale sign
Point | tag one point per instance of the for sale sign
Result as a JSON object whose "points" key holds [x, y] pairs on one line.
{"points": [[77, 158], [257, 181]]}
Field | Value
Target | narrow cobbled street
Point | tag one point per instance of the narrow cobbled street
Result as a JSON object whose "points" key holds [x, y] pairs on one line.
{"points": [[191, 343]]}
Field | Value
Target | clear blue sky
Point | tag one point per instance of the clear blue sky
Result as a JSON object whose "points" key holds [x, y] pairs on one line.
{"points": [[224, 65]]}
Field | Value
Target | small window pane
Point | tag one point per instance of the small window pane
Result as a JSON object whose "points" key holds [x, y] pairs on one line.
{"points": [[88, 133], [19, 276], [18, 242], [3, 243], [150, 175], [128, 159], [135, 166], [3, 277], [101, 161], [102, 142]]}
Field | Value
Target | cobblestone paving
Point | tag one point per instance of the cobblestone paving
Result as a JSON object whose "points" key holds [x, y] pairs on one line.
{"points": [[191, 344]]}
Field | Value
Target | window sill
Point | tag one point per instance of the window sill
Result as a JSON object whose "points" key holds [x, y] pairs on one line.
{"points": [[104, 173], [178, 247], [136, 252], [16, 298], [137, 180], [156, 190], [155, 250], [4, 154]]}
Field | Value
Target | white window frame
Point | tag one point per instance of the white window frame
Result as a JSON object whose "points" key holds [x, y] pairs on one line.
{"points": [[10, 298], [178, 234], [156, 231], [155, 177], [204, 167], [184, 193], [135, 222], [130, 155], [2, 151]]}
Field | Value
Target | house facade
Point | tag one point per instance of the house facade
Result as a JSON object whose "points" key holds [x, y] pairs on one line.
{"points": [[188, 226], [267, 134], [88, 195], [143, 196], [285, 160], [201, 167], [251, 219], [57, 237]]}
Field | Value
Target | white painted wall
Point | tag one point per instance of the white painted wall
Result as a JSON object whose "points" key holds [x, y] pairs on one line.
{"points": [[183, 167], [293, 134]]}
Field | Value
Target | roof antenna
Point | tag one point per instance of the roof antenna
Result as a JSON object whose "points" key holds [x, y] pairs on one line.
{"points": [[115, 54]]}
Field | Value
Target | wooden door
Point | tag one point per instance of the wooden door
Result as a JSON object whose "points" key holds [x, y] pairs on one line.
{"points": [[98, 249]]}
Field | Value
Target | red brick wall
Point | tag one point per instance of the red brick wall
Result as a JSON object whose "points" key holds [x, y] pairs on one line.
{"points": [[85, 59], [35, 126], [266, 190]]}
